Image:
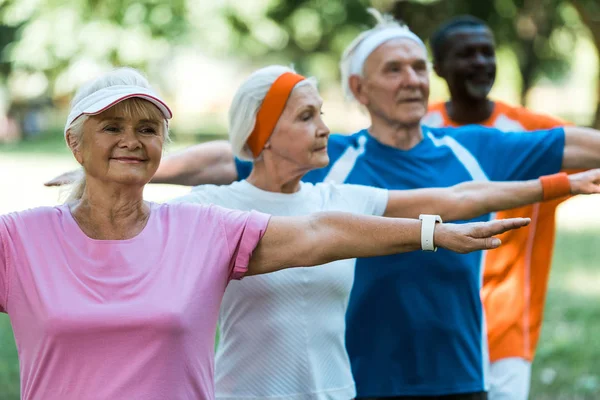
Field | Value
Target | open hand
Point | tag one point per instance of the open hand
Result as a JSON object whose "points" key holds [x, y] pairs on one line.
{"points": [[64, 179], [587, 182], [465, 238]]}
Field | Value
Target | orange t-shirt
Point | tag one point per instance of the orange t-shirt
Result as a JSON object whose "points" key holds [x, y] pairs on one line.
{"points": [[516, 275]]}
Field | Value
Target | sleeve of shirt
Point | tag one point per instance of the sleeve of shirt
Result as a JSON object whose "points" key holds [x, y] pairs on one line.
{"points": [[509, 156], [243, 231], [534, 121], [364, 199], [243, 168], [4, 276]]}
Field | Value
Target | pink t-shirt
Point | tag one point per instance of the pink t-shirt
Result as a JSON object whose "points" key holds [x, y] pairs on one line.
{"points": [[121, 319]]}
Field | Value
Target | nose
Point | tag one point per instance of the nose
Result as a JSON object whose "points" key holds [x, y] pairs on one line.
{"points": [[322, 128], [479, 59], [410, 78], [129, 139]]}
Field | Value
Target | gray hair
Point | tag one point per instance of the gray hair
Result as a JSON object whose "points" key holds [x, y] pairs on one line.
{"points": [[118, 76], [384, 22], [246, 103]]}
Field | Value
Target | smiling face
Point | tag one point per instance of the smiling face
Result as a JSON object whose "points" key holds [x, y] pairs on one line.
{"points": [[300, 136], [122, 144], [468, 63], [395, 86]]}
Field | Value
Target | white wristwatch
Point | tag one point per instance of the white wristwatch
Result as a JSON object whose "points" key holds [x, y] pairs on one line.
{"points": [[427, 229]]}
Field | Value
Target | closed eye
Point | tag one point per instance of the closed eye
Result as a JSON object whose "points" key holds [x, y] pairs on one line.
{"points": [[111, 128], [148, 131], [306, 116]]}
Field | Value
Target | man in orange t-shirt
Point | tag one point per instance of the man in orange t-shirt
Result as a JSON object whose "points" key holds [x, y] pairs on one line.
{"points": [[516, 275]]}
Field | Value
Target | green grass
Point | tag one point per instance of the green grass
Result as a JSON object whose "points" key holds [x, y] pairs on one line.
{"points": [[568, 359], [9, 367], [569, 351]]}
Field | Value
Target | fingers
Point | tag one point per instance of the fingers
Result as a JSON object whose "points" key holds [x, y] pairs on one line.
{"points": [[491, 243], [63, 179], [592, 188], [488, 229], [586, 182], [53, 182], [58, 182], [595, 173]]}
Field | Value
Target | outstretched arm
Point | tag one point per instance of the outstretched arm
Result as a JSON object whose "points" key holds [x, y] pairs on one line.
{"points": [[324, 237], [472, 199], [582, 148], [205, 163]]}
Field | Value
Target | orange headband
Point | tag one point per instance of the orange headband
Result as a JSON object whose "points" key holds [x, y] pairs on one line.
{"points": [[271, 109]]}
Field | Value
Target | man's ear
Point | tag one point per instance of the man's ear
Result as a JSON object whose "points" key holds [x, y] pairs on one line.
{"points": [[356, 85], [73, 144]]}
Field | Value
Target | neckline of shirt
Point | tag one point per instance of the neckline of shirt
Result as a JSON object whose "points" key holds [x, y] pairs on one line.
{"points": [[72, 227], [499, 108], [375, 145], [264, 195]]}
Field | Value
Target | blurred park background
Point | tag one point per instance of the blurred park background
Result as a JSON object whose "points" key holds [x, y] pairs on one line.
{"points": [[196, 52]]}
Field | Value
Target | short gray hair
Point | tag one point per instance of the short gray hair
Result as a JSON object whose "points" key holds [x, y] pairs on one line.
{"points": [[384, 22]]}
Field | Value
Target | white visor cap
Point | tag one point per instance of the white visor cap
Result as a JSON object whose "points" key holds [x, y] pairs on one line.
{"points": [[103, 99]]}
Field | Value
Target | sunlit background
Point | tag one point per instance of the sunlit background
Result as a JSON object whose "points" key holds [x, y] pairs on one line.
{"points": [[196, 52]]}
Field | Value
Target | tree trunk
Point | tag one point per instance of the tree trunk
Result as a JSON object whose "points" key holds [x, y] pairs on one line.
{"points": [[593, 23], [527, 67], [533, 11]]}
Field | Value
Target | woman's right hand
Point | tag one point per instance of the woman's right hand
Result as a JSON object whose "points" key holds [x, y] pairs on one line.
{"points": [[64, 179], [465, 238]]}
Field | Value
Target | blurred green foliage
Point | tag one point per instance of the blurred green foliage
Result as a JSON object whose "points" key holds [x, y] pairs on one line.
{"points": [[53, 36]]}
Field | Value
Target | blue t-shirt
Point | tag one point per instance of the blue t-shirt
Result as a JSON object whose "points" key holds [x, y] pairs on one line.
{"points": [[415, 324]]}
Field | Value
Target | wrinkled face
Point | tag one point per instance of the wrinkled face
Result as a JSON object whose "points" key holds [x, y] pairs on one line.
{"points": [[469, 62], [120, 146], [300, 136], [395, 86]]}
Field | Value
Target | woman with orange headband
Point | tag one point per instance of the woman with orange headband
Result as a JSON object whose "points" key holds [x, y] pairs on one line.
{"points": [[282, 335]]}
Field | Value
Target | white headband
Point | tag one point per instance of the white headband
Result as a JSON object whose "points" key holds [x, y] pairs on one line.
{"points": [[368, 45], [103, 99]]}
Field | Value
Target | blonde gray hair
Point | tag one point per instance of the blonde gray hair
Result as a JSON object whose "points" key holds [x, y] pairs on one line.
{"points": [[246, 103], [132, 106]]}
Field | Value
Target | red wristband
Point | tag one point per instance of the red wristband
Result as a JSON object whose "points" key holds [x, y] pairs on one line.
{"points": [[555, 186]]}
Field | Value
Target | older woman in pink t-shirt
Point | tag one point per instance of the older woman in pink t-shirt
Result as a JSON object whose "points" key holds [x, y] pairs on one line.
{"points": [[113, 297]]}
